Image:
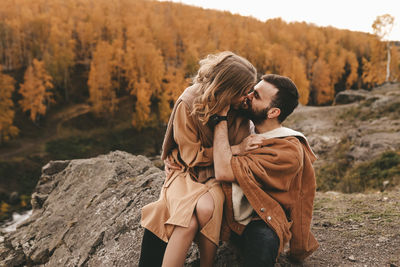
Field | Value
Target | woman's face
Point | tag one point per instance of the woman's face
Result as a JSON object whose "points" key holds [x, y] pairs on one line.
{"points": [[241, 102]]}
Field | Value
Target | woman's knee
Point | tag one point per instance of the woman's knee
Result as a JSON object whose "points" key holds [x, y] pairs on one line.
{"points": [[205, 208]]}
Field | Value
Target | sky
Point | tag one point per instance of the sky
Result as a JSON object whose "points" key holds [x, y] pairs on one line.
{"points": [[355, 15]]}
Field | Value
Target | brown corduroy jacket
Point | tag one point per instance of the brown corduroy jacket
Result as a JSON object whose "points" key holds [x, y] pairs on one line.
{"points": [[279, 182]]}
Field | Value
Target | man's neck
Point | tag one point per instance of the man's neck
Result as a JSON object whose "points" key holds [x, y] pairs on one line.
{"points": [[267, 125]]}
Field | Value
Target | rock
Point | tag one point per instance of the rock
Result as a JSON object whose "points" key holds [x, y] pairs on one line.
{"points": [[351, 258], [10, 256], [350, 96], [14, 198], [37, 200], [371, 145], [385, 183], [54, 167], [383, 239], [86, 212]]}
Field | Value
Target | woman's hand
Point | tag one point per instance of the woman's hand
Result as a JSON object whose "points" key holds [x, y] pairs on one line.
{"points": [[224, 111], [251, 142]]}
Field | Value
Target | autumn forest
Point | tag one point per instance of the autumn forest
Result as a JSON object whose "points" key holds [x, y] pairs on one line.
{"points": [[147, 51]]}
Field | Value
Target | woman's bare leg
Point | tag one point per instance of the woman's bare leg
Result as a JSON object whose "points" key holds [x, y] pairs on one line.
{"points": [[204, 212], [179, 244]]}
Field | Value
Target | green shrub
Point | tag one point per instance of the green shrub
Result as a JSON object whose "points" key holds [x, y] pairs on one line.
{"points": [[330, 174], [373, 174], [364, 112], [341, 175]]}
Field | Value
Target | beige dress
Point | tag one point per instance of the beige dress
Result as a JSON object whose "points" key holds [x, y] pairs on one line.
{"points": [[183, 188]]}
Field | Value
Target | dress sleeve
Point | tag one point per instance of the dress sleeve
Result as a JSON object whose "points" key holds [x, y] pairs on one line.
{"points": [[186, 135]]}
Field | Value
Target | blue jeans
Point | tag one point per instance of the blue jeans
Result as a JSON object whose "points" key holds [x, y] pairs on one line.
{"points": [[259, 244]]}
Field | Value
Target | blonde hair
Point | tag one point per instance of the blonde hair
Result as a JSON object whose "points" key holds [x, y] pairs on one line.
{"points": [[221, 78]]}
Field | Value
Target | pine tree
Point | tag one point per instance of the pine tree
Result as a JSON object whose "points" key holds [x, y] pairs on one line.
{"points": [[142, 109], [321, 83], [7, 129], [36, 90], [101, 88]]}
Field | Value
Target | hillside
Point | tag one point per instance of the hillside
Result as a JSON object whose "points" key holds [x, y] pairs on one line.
{"points": [[351, 139]]}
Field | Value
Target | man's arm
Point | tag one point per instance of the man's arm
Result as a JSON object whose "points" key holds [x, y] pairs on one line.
{"points": [[222, 151], [249, 143]]}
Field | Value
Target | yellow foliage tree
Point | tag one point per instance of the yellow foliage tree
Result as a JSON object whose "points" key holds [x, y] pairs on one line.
{"points": [[173, 85], [149, 63], [374, 71], [394, 64], [59, 56], [143, 63], [101, 88], [7, 129], [142, 110], [4, 207], [336, 60], [321, 85], [281, 61], [158, 46], [351, 61], [36, 90], [295, 70]]}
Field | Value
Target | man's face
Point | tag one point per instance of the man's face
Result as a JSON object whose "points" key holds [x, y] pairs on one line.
{"points": [[259, 101]]}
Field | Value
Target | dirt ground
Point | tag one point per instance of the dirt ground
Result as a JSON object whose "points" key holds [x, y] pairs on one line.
{"points": [[355, 230]]}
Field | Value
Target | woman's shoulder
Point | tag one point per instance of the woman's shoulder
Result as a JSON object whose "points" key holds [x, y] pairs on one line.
{"points": [[189, 95]]}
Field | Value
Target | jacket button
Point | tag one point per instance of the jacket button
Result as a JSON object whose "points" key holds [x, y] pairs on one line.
{"points": [[269, 218], [262, 209]]}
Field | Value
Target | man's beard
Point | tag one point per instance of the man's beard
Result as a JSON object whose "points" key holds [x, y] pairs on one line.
{"points": [[256, 116]]}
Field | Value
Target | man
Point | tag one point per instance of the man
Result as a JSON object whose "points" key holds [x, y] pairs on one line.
{"points": [[270, 190]]}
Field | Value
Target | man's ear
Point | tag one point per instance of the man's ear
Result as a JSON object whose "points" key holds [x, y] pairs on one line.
{"points": [[274, 113]]}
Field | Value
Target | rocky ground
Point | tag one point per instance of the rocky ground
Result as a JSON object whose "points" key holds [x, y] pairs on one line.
{"points": [[371, 124], [356, 229], [87, 212]]}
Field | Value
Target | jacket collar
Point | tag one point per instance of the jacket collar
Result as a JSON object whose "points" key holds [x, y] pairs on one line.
{"points": [[285, 132]]}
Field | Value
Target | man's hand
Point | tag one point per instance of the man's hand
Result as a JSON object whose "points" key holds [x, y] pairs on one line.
{"points": [[251, 142], [170, 166]]}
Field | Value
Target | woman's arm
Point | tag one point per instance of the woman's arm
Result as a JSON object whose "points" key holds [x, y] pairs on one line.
{"points": [[186, 135], [192, 152], [222, 152]]}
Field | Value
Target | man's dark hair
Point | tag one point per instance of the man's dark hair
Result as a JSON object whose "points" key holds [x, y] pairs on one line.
{"points": [[287, 97]]}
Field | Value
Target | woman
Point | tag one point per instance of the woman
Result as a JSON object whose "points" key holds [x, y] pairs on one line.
{"points": [[191, 200]]}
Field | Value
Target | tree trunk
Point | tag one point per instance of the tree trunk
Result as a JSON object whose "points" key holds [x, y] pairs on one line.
{"points": [[66, 84], [388, 63]]}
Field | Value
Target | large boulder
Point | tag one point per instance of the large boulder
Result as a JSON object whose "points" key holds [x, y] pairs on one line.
{"points": [[350, 96], [86, 212]]}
